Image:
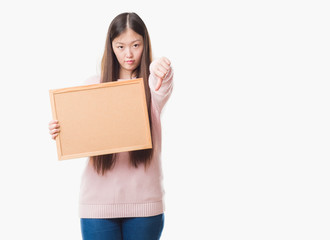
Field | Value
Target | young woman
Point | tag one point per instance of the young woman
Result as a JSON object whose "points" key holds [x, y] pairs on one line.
{"points": [[122, 194]]}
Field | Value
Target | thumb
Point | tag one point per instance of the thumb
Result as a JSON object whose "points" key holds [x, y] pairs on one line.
{"points": [[159, 84]]}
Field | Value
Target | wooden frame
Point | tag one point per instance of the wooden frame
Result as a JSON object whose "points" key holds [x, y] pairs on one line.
{"points": [[101, 119]]}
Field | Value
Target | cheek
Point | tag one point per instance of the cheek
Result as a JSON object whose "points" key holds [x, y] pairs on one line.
{"points": [[118, 56], [139, 54]]}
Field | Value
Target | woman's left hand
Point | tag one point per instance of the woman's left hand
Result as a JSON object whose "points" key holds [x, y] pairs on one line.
{"points": [[160, 68]]}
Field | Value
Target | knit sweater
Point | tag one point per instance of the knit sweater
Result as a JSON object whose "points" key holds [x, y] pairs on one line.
{"points": [[126, 191]]}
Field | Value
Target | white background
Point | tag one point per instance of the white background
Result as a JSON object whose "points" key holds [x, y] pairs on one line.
{"points": [[245, 134]]}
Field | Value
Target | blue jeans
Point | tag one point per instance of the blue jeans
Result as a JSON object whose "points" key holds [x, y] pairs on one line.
{"points": [[139, 228]]}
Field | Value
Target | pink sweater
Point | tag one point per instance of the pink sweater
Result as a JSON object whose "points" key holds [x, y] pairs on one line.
{"points": [[126, 191]]}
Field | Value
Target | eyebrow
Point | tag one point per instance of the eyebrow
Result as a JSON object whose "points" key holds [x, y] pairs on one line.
{"points": [[137, 40]]}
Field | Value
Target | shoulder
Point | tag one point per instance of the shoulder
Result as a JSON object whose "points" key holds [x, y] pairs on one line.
{"points": [[92, 80]]}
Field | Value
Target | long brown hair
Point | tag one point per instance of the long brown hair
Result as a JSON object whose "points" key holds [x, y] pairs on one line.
{"points": [[110, 73]]}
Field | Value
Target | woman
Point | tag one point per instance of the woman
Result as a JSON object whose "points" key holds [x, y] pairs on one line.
{"points": [[122, 194]]}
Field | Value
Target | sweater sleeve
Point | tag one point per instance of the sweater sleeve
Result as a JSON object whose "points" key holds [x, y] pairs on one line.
{"points": [[160, 97]]}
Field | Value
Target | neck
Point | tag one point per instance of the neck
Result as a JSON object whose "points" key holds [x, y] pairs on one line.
{"points": [[123, 74]]}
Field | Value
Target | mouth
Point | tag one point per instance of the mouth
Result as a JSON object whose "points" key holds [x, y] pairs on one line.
{"points": [[129, 62]]}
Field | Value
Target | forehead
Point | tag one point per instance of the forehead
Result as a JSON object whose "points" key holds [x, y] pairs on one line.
{"points": [[128, 36]]}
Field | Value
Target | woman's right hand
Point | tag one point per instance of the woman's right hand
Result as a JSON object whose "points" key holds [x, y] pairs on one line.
{"points": [[54, 128]]}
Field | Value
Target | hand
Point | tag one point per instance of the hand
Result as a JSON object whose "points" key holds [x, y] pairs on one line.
{"points": [[160, 68], [54, 128]]}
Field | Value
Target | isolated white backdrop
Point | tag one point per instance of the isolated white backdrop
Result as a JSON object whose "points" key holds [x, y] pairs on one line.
{"points": [[245, 133]]}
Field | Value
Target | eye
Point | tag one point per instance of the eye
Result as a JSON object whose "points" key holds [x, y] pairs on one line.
{"points": [[136, 45], [120, 47]]}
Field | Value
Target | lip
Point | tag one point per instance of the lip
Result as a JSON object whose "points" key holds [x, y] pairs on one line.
{"points": [[129, 61]]}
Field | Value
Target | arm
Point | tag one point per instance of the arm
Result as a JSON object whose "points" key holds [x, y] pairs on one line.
{"points": [[161, 81]]}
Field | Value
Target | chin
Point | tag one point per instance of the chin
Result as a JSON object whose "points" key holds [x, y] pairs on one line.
{"points": [[131, 68]]}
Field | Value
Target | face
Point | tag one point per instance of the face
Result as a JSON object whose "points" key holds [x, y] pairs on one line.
{"points": [[128, 48]]}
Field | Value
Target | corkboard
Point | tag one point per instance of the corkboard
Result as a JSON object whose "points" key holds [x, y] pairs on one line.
{"points": [[101, 119]]}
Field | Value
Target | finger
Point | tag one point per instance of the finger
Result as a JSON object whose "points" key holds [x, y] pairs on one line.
{"points": [[54, 136], [165, 63], [159, 84], [53, 126], [162, 70], [54, 131], [54, 121], [160, 74]]}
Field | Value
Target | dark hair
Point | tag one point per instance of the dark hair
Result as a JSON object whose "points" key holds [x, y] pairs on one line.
{"points": [[110, 72]]}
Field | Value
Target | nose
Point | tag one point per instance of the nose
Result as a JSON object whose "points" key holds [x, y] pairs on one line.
{"points": [[129, 53]]}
